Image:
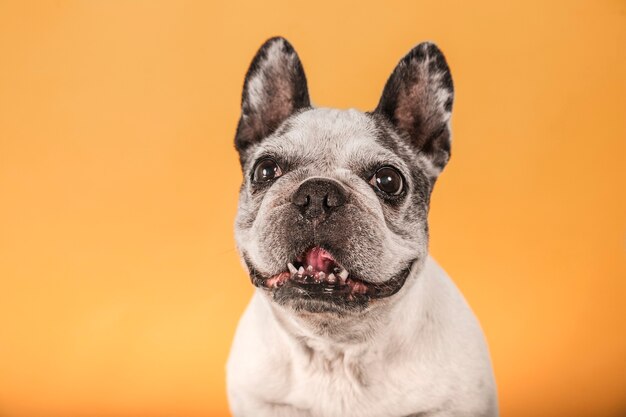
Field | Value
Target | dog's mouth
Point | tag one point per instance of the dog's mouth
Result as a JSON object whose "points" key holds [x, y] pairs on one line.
{"points": [[318, 270], [317, 273]]}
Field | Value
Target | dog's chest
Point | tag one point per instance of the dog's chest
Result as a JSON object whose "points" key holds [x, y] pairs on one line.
{"points": [[333, 382]]}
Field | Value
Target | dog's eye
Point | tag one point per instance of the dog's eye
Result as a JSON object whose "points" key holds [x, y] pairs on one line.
{"points": [[387, 180], [266, 170]]}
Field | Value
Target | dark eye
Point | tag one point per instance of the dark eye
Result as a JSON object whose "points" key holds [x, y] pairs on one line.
{"points": [[387, 180], [266, 170]]}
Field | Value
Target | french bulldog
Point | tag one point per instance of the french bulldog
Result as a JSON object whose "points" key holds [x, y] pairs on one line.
{"points": [[350, 317]]}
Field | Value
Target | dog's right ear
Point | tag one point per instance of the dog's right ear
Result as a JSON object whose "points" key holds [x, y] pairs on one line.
{"points": [[275, 88]]}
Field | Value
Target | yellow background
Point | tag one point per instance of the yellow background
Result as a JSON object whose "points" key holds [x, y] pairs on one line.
{"points": [[120, 288]]}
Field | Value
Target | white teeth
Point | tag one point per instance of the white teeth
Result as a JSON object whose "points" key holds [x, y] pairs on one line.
{"points": [[339, 275]]}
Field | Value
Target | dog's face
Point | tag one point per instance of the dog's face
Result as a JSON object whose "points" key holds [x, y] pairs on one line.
{"points": [[334, 203]]}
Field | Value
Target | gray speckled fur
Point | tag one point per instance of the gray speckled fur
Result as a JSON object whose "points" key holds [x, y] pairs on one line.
{"points": [[419, 352]]}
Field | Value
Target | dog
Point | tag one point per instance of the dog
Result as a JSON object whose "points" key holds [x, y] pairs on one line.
{"points": [[350, 317]]}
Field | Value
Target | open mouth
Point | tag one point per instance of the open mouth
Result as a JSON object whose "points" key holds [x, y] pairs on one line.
{"points": [[317, 272]]}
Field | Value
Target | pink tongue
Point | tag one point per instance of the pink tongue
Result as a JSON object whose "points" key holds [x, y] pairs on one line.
{"points": [[320, 259]]}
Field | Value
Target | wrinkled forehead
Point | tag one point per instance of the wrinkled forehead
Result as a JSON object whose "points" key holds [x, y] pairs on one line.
{"points": [[338, 137]]}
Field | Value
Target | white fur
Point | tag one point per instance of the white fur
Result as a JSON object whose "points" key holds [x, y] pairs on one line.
{"points": [[417, 353], [425, 354]]}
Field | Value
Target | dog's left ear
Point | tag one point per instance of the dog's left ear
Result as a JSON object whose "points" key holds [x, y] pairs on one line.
{"points": [[417, 100], [274, 89]]}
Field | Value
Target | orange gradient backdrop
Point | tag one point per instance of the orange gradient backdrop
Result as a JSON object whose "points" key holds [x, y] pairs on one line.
{"points": [[120, 287]]}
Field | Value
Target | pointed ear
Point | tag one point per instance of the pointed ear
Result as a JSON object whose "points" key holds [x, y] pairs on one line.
{"points": [[417, 100], [275, 88]]}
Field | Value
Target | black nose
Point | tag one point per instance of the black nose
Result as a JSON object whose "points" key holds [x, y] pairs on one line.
{"points": [[317, 197]]}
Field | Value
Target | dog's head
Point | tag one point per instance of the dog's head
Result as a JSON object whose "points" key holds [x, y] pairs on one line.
{"points": [[334, 203]]}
